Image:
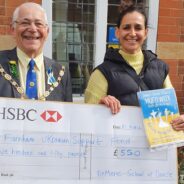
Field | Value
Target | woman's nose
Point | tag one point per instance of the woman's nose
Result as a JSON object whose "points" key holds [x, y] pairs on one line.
{"points": [[132, 32]]}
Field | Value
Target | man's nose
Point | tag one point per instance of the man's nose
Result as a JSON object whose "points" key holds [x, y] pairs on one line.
{"points": [[32, 26]]}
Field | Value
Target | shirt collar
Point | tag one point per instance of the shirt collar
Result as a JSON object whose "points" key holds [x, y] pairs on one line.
{"points": [[24, 59]]}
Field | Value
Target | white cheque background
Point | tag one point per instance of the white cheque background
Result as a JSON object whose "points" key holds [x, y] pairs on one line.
{"points": [[87, 145]]}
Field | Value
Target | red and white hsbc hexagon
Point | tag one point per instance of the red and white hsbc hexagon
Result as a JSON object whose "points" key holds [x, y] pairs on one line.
{"points": [[51, 116]]}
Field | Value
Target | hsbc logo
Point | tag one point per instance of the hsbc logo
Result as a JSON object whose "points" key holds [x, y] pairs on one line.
{"points": [[51, 116], [17, 114], [30, 114]]}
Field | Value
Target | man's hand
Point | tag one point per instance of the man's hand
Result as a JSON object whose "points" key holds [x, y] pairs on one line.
{"points": [[178, 123], [111, 102]]}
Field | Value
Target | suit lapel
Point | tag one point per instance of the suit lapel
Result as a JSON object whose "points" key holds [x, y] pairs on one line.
{"points": [[12, 56], [47, 64]]}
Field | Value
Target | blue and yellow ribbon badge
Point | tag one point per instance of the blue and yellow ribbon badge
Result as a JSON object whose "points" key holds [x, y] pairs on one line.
{"points": [[51, 80]]}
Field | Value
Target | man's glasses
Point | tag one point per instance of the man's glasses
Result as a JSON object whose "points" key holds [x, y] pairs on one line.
{"points": [[27, 23]]}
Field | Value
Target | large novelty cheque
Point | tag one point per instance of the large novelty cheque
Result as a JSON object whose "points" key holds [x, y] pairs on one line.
{"points": [[64, 143]]}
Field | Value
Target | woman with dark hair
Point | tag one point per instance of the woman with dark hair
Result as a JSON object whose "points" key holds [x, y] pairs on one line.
{"points": [[129, 69]]}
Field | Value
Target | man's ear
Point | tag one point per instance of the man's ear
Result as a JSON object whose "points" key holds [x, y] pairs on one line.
{"points": [[12, 29], [48, 30]]}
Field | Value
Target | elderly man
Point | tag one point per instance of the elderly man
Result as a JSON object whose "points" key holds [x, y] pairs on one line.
{"points": [[24, 71]]}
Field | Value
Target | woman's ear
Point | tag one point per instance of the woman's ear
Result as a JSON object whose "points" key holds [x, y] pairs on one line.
{"points": [[146, 33], [117, 33]]}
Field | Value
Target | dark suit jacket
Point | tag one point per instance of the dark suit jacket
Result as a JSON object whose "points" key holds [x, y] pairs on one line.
{"points": [[63, 92]]}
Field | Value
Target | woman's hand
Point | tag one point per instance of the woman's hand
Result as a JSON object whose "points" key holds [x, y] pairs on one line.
{"points": [[111, 102], [178, 123]]}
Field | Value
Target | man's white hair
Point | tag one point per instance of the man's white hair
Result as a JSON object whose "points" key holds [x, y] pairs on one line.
{"points": [[28, 4]]}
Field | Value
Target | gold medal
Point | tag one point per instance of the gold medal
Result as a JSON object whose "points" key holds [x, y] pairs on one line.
{"points": [[55, 84], [20, 90], [47, 93], [1, 70], [14, 83], [61, 73], [42, 98], [7, 76]]}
